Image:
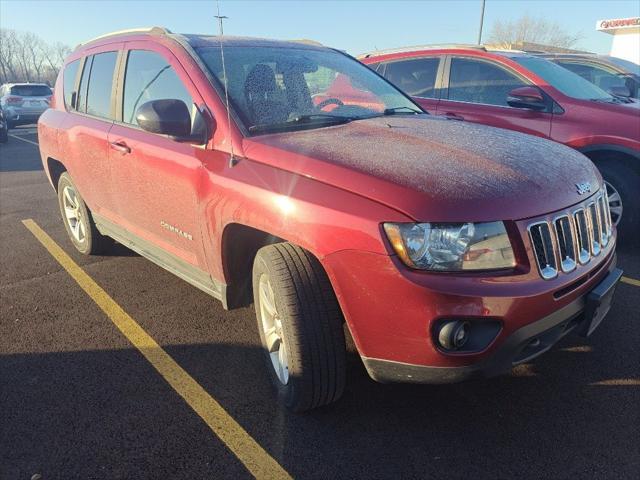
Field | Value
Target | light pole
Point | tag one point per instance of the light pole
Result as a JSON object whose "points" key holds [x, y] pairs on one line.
{"points": [[481, 22]]}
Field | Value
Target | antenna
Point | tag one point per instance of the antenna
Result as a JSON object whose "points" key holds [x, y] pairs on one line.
{"points": [[232, 159]]}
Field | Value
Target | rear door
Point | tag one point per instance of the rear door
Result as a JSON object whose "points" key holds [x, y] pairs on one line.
{"points": [[89, 101], [156, 178], [417, 77], [476, 91]]}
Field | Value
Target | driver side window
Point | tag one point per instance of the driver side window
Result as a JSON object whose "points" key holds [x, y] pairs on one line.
{"points": [[478, 81], [149, 77]]}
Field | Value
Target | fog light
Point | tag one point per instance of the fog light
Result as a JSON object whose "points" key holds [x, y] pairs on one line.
{"points": [[454, 334]]}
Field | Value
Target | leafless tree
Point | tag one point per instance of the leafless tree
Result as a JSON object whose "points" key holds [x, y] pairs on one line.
{"points": [[8, 60], [529, 29], [25, 57]]}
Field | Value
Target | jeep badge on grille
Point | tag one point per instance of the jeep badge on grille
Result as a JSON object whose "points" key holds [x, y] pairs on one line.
{"points": [[584, 187]]}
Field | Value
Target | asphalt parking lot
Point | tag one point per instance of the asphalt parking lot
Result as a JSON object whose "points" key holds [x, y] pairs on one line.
{"points": [[78, 399]]}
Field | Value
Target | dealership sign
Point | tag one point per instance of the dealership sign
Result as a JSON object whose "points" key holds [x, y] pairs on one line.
{"points": [[618, 23]]}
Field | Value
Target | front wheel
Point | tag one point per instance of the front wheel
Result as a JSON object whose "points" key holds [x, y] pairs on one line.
{"points": [[300, 325], [622, 186]]}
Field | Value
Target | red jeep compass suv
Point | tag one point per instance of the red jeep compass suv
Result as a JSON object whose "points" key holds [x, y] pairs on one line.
{"points": [[449, 249], [518, 91]]}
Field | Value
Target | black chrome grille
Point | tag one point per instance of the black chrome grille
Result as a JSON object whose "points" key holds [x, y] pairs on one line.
{"points": [[566, 243], [543, 247], [603, 211], [582, 236], [571, 238], [594, 227]]}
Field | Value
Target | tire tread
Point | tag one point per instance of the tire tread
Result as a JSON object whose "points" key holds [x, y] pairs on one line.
{"points": [[311, 304]]}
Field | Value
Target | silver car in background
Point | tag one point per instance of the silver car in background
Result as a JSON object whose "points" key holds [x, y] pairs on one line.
{"points": [[23, 103]]}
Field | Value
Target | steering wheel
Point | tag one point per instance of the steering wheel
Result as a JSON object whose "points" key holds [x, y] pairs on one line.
{"points": [[329, 101]]}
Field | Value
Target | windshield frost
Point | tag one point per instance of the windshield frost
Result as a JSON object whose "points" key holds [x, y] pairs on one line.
{"points": [[567, 82], [275, 88]]}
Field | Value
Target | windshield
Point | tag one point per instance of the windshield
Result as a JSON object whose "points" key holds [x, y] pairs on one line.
{"points": [[281, 89], [626, 65], [562, 79]]}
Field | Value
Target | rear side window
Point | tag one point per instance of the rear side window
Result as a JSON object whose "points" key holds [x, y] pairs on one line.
{"points": [[150, 77], [81, 101], [476, 81], [100, 84], [415, 77], [69, 77], [30, 90]]}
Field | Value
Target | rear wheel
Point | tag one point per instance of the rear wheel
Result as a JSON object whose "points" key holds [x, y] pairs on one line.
{"points": [[622, 187], [300, 325], [78, 220]]}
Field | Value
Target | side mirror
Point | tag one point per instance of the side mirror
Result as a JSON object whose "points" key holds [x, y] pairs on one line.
{"points": [[167, 117], [620, 91], [526, 97]]}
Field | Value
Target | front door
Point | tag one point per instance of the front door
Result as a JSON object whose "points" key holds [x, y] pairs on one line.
{"points": [[477, 91], [156, 178]]}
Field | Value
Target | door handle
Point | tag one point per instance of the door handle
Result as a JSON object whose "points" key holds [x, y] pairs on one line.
{"points": [[120, 147], [453, 116]]}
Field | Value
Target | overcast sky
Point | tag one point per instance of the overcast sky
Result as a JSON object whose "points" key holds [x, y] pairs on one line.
{"points": [[355, 26]]}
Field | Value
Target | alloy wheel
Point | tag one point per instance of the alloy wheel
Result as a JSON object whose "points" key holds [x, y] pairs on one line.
{"points": [[73, 214], [272, 329], [615, 203]]}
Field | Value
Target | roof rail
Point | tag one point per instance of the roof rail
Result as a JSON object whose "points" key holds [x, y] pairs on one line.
{"points": [[421, 47], [506, 50], [149, 30], [308, 41]]}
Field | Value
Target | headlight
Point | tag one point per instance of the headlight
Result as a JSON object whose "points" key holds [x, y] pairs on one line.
{"points": [[452, 246]]}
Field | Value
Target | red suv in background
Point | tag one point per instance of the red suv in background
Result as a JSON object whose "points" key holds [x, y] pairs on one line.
{"points": [[518, 91], [265, 178]]}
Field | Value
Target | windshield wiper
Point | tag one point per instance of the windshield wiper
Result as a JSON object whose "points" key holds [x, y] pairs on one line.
{"points": [[310, 119], [613, 100], [396, 110]]}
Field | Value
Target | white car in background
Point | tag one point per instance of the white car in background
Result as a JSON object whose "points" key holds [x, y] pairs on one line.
{"points": [[23, 103]]}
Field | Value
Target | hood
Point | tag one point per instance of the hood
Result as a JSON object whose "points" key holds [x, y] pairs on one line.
{"points": [[435, 169]]}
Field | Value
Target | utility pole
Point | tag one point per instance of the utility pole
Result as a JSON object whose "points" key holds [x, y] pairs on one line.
{"points": [[220, 19], [481, 22]]}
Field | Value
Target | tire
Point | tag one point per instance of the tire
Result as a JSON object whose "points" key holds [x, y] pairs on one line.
{"points": [[626, 183], [4, 136], [311, 326], [82, 232]]}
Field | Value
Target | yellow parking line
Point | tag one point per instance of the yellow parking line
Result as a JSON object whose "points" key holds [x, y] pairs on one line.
{"points": [[247, 450], [24, 139], [631, 281]]}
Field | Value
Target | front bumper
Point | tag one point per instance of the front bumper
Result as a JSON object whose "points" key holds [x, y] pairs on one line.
{"points": [[392, 312], [583, 315]]}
